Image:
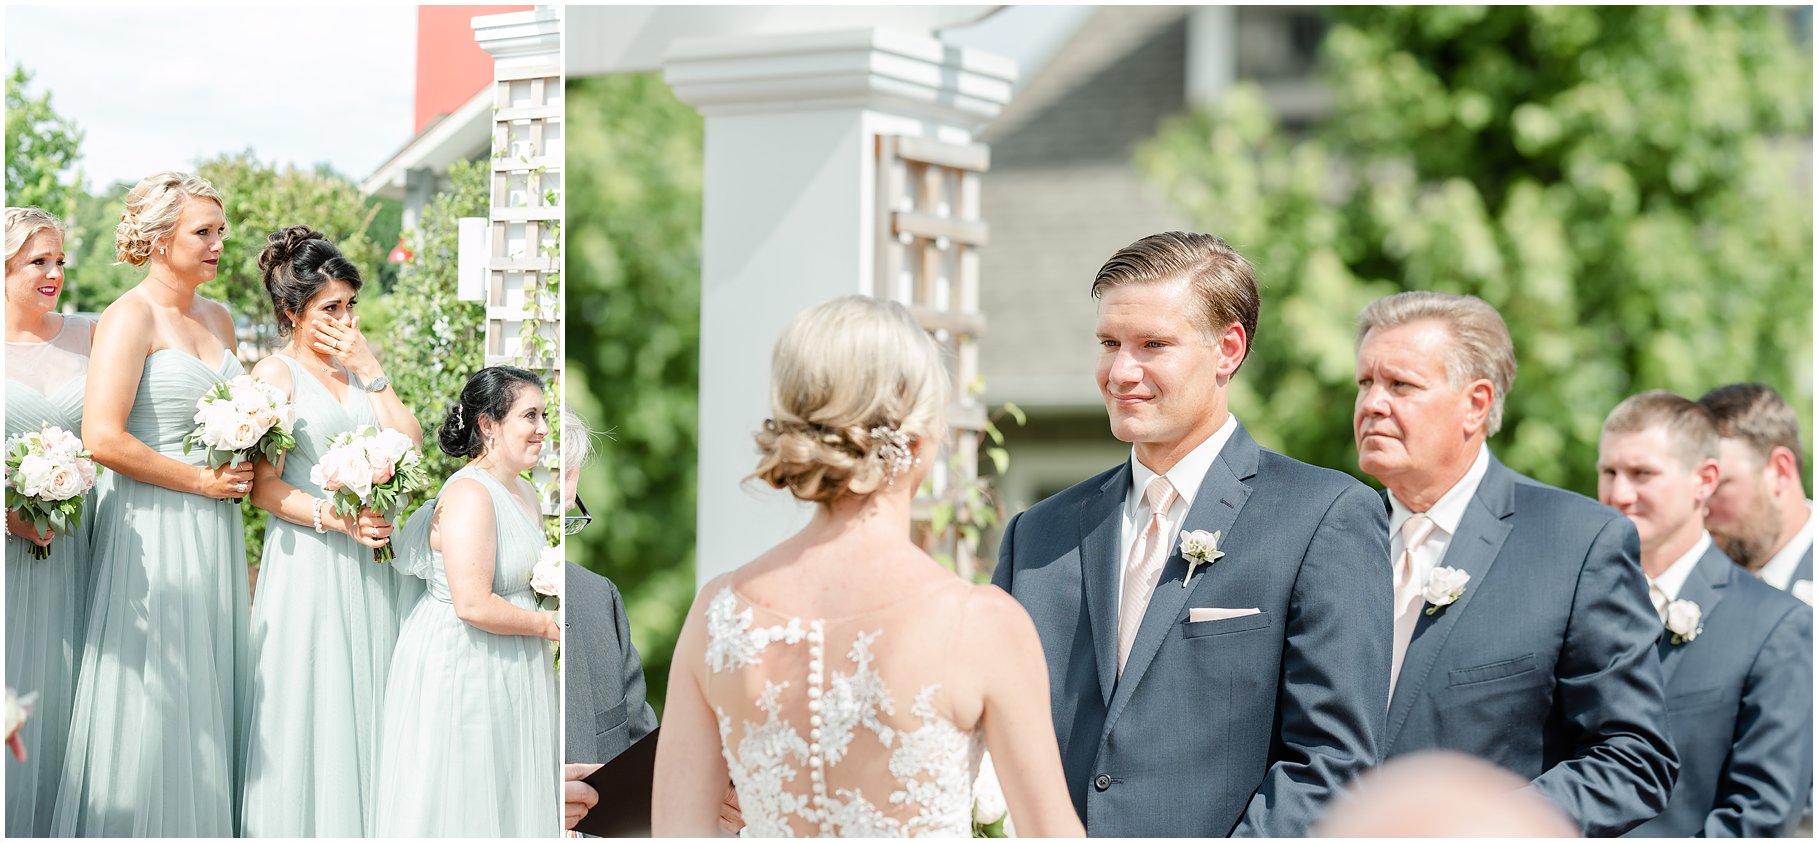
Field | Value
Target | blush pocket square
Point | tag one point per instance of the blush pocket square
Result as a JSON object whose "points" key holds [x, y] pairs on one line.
{"points": [[1195, 615]]}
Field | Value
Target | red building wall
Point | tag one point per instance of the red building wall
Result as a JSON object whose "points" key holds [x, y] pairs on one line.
{"points": [[451, 67]]}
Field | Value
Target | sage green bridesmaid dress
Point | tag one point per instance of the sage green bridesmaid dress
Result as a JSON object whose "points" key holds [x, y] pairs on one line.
{"points": [[324, 621], [468, 740], [162, 694], [46, 599]]}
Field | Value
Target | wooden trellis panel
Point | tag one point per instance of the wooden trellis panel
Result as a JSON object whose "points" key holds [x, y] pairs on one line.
{"points": [[928, 236]]}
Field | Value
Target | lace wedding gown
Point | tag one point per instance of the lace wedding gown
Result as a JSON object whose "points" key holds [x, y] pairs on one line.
{"points": [[839, 726]]}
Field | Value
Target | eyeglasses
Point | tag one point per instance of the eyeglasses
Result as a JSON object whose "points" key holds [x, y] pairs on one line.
{"points": [[572, 524]]}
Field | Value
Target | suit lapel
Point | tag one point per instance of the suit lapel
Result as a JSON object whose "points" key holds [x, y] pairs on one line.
{"points": [[1221, 497], [1705, 587], [1100, 533], [1481, 533]]}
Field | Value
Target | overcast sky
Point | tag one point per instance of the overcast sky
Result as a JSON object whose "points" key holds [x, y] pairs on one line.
{"points": [[159, 87]]}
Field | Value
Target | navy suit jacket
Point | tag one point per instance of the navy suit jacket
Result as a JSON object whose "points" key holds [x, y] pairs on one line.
{"points": [[1739, 698], [1546, 665], [604, 679], [1244, 725]]}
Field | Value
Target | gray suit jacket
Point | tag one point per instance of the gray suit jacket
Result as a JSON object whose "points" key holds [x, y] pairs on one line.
{"points": [[1546, 665], [605, 707], [1244, 725], [1739, 698]]}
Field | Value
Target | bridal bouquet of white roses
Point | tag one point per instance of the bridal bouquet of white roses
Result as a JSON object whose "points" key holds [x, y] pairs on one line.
{"points": [[368, 468], [239, 418], [546, 577], [47, 473]]}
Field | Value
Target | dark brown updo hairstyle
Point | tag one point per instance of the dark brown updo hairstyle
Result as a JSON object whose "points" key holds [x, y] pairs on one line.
{"points": [[296, 264], [489, 392]]}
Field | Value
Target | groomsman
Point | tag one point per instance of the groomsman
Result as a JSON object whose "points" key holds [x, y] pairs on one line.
{"points": [[1522, 628], [1233, 687], [1760, 516], [1736, 653]]}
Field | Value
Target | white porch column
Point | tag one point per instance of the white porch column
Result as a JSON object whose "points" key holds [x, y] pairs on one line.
{"points": [[789, 219]]}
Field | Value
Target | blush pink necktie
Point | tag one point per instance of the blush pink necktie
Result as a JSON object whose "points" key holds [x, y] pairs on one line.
{"points": [[1143, 570], [1414, 532]]}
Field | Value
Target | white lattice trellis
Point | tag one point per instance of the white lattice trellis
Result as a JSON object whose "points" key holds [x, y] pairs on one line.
{"points": [[928, 237]]}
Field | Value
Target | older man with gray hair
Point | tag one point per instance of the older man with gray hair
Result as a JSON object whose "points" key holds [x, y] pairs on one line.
{"points": [[604, 707], [1523, 634]]}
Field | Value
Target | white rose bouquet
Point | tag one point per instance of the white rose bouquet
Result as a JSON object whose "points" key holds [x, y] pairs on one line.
{"points": [[368, 468], [546, 577], [990, 812], [239, 418], [47, 473]]}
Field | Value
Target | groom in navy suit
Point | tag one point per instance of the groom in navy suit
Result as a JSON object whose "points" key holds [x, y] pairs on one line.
{"points": [[1523, 633], [1233, 687], [1736, 654]]}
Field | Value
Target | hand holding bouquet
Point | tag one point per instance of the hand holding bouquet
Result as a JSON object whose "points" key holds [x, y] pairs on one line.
{"points": [[370, 469], [239, 418], [47, 473]]}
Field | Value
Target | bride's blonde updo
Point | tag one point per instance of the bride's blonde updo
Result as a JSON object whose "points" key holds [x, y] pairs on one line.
{"points": [[152, 208], [840, 370]]}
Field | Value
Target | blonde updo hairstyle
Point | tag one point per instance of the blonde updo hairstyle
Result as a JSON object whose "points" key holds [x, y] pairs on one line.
{"points": [[840, 370], [22, 224], [152, 208]]}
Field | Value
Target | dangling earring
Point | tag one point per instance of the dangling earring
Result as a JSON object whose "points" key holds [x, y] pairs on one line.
{"points": [[160, 250]]}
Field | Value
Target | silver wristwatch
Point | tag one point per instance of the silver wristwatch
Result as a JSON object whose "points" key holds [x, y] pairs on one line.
{"points": [[379, 384]]}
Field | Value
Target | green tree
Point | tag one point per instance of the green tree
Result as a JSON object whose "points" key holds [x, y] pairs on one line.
{"points": [[42, 148], [633, 340], [92, 278], [434, 341], [1618, 182]]}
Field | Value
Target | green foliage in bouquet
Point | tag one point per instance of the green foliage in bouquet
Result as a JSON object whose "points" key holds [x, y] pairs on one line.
{"points": [[1623, 183], [270, 447]]}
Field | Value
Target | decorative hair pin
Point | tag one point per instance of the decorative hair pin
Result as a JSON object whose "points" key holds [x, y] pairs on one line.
{"points": [[458, 421], [894, 449]]}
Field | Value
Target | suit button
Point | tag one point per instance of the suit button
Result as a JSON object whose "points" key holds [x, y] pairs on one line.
{"points": [[1103, 782]]}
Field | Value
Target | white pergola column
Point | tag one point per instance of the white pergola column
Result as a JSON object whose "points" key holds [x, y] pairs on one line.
{"points": [[789, 220]]}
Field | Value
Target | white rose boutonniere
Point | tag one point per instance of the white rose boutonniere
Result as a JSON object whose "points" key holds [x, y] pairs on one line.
{"points": [[1444, 587], [1199, 547], [1685, 620]]}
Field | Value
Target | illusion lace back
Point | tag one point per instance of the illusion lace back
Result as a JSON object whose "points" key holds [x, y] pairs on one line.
{"points": [[839, 726]]}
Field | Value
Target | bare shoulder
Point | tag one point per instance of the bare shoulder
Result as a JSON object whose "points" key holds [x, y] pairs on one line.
{"points": [[124, 325], [465, 503], [272, 370], [991, 611]]}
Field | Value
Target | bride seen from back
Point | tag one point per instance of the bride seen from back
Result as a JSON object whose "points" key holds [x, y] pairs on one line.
{"points": [[854, 679]]}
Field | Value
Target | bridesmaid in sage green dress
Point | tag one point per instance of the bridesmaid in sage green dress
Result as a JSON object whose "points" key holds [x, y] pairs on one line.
{"points": [[324, 617], [46, 599], [162, 692], [468, 739]]}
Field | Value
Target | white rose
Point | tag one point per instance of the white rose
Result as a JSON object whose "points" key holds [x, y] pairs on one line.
{"points": [[86, 467], [326, 474], [1682, 619], [218, 420], [62, 443], [242, 435], [1198, 544], [65, 482], [546, 577], [1445, 585], [18, 709], [35, 472], [388, 446], [988, 805], [356, 473]]}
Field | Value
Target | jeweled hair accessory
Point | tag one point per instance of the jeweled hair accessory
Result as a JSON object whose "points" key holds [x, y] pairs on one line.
{"points": [[459, 422], [894, 449]]}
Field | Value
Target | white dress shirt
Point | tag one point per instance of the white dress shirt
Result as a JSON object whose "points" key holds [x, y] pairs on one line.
{"points": [[1673, 578], [1186, 477], [1446, 513], [1778, 572]]}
